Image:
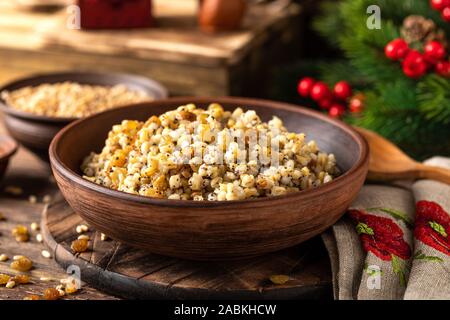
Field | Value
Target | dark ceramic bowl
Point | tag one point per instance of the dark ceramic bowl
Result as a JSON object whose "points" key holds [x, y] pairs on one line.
{"points": [[8, 148], [211, 230], [35, 132]]}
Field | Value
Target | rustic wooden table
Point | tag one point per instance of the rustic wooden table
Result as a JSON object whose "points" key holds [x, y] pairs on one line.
{"points": [[33, 176], [132, 272], [175, 53]]}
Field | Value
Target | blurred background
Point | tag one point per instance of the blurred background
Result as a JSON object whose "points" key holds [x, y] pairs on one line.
{"points": [[351, 48]]}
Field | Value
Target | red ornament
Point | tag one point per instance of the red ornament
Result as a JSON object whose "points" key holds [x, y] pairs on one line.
{"points": [[320, 91], [325, 103], [396, 49], [304, 86], [336, 110], [439, 4], [443, 68], [356, 104], [434, 51], [446, 14], [342, 90], [414, 65]]}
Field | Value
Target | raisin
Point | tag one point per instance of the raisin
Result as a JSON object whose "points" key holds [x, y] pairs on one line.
{"points": [[79, 245], [4, 278], [21, 279], [32, 297], [19, 229], [279, 279], [22, 238], [22, 264], [186, 115], [71, 287], [51, 294], [21, 234]]}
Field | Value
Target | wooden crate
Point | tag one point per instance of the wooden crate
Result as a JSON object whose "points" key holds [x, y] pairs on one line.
{"points": [[176, 53]]}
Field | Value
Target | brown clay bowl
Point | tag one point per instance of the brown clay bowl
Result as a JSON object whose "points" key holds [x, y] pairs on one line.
{"points": [[35, 132], [211, 230], [8, 148]]}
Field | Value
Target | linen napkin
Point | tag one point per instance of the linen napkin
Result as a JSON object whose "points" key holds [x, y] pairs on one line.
{"points": [[394, 242]]}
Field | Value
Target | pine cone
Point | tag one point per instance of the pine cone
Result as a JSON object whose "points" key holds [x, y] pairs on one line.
{"points": [[419, 29]]}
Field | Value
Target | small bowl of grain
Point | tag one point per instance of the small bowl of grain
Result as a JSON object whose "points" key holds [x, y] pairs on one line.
{"points": [[8, 148], [37, 107]]}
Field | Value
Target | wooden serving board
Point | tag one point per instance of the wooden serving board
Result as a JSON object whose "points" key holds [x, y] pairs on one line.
{"points": [[134, 273]]}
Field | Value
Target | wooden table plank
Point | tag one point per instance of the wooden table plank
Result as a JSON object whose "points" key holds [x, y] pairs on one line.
{"points": [[32, 175]]}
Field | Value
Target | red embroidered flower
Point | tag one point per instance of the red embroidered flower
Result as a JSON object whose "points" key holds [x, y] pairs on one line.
{"points": [[381, 236], [433, 226]]}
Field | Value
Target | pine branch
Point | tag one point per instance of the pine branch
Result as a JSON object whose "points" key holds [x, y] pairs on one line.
{"points": [[433, 94], [413, 113]]}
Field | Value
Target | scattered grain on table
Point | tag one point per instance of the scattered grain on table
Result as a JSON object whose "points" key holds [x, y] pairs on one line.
{"points": [[279, 279]]}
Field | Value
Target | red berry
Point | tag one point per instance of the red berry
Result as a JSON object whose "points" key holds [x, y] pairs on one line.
{"points": [[336, 111], [356, 104], [443, 68], [320, 91], [342, 90], [326, 103], [396, 49], [434, 51], [304, 86], [439, 4], [414, 65], [446, 14]]}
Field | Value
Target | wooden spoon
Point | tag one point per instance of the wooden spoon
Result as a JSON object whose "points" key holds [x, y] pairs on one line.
{"points": [[387, 162]]}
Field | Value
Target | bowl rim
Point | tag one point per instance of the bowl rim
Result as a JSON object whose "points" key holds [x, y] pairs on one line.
{"points": [[363, 157], [9, 151], [24, 81]]}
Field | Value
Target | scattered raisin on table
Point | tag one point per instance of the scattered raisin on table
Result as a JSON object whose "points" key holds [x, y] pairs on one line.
{"points": [[279, 279], [21, 233], [21, 279], [4, 278], [79, 245], [51, 294], [71, 287], [22, 264]]}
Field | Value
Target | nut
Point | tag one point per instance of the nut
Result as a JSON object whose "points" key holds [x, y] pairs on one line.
{"points": [[104, 237], [83, 237], [11, 284], [3, 257], [34, 226], [32, 199], [47, 198], [82, 228], [46, 254], [45, 279], [39, 238]]}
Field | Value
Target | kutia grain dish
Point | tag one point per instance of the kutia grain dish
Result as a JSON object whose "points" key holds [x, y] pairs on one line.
{"points": [[196, 154], [71, 99]]}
